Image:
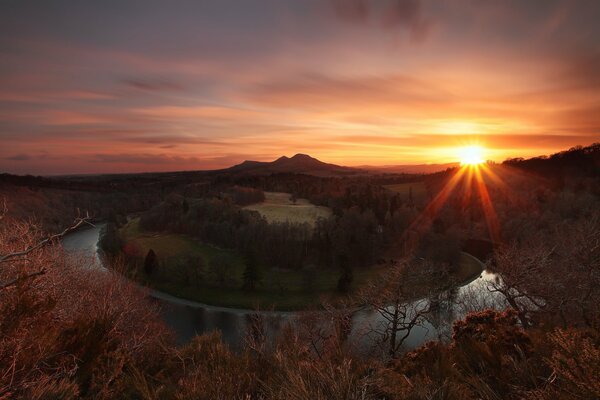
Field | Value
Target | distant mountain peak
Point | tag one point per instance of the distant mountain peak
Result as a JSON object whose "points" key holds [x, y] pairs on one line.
{"points": [[299, 163], [281, 159], [298, 160], [301, 156]]}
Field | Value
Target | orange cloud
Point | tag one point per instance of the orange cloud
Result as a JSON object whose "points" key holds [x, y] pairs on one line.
{"points": [[352, 82]]}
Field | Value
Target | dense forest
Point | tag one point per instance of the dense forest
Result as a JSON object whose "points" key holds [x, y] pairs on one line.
{"points": [[73, 332]]}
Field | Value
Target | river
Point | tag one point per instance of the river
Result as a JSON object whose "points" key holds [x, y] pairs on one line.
{"points": [[188, 318]]}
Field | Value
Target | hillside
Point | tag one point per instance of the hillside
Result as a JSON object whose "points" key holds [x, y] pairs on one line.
{"points": [[579, 161], [298, 164]]}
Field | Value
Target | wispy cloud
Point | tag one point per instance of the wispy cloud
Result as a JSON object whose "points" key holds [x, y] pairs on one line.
{"points": [[208, 84], [18, 157], [156, 84], [407, 14]]}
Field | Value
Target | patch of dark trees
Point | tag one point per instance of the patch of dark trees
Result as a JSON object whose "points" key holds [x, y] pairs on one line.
{"points": [[243, 196], [481, 248], [354, 239], [577, 161], [354, 235], [337, 193]]}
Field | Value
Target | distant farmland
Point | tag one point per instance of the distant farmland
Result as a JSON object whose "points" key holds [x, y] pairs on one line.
{"points": [[278, 207]]}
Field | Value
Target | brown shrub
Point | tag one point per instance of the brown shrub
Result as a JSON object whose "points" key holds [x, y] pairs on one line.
{"points": [[72, 331], [212, 371]]}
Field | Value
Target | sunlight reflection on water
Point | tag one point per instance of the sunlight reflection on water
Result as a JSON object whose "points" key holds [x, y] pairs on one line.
{"points": [[188, 318]]}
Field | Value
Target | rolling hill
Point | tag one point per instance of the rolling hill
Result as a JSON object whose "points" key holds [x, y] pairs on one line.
{"points": [[298, 164]]}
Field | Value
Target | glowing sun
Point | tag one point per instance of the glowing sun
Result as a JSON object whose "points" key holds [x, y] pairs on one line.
{"points": [[471, 155]]}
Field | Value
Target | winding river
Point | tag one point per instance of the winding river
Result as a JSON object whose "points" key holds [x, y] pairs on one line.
{"points": [[188, 318]]}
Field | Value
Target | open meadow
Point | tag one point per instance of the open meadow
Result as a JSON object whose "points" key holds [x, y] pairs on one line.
{"points": [[208, 274], [197, 271], [278, 207]]}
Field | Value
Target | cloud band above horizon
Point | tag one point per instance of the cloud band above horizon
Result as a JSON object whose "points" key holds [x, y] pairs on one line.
{"points": [[130, 86]]}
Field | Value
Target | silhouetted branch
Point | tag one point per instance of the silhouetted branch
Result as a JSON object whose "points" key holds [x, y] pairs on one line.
{"points": [[12, 256], [21, 278]]}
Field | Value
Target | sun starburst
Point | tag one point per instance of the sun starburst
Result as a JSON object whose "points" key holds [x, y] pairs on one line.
{"points": [[471, 155]]}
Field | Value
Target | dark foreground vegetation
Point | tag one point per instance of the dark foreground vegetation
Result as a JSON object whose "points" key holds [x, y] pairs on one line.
{"points": [[73, 332], [77, 333]]}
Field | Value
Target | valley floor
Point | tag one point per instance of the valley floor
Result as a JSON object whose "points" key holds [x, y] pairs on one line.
{"points": [[187, 269]]}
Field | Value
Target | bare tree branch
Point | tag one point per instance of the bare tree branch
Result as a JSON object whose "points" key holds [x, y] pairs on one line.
{"points": [[395, 300], [21, 278], [16, 255]]}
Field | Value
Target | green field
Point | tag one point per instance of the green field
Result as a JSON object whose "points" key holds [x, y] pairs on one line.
{"points": [[278, 207], [419, 191], [167, 245], [280, 289], [183, 259]]}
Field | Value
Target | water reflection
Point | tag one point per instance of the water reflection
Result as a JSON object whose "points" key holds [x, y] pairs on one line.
{"points": [[187, 318]]}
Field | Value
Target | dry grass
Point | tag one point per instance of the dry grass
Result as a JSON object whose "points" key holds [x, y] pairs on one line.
{"points": [[79, 333], [278, 207]]}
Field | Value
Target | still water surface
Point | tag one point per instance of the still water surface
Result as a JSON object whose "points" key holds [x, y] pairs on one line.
{"points": [[188, 318]]}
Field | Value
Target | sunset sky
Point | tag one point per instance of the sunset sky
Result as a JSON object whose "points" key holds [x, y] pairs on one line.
{"points": [[124, 86]]}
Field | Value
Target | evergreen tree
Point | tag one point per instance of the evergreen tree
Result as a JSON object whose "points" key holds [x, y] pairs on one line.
{"points": [[150, 262], [110, 240], [251, 272], [347, 277]]}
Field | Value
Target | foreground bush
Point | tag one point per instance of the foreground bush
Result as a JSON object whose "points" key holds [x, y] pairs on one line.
{"points": [[72, 330], [75, 332]]}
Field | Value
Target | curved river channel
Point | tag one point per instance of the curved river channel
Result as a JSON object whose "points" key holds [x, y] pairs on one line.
{"points": [[188, 318]]}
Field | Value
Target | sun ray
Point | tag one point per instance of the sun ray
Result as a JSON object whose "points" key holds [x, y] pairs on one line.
{"points": [[412, 235], [466, 198], [489, 212], [487, 171], [472, 178]]}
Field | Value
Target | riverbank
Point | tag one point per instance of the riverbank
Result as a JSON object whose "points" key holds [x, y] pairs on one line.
{"points": [[287, 300], [196, 271], [189, 318], [200, 272]]}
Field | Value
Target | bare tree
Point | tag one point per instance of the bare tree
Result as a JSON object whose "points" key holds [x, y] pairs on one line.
{"points": [[578, 272], [522, 278], [327, 331], [557, 279], [70, 311], [22, 255], [394, 297]]}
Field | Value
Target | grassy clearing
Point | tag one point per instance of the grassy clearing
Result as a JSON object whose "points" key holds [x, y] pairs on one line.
{"points": [[419, 191], [278, 207], [279, 289], [170, 245]]}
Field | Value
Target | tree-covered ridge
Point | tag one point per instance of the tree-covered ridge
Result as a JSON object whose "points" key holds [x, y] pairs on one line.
{"points": [[582, 161]]}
